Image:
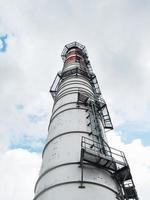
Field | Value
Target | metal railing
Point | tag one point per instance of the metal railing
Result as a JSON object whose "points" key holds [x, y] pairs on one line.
{"points": [[102, 150], [76, 45]]}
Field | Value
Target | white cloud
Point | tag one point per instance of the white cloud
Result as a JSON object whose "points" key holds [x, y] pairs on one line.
{"points": [[139, 161], [116, 34], [18, 172], [19, 169]]}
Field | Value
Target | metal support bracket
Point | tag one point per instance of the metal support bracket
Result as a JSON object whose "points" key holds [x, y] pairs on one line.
{"points": [[81, 165]]}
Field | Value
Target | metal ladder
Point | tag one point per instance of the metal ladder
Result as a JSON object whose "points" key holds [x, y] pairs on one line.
{"points": [[96, 129]]}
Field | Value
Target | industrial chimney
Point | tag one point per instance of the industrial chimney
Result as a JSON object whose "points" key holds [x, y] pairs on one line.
{"points": [[78, 163]]}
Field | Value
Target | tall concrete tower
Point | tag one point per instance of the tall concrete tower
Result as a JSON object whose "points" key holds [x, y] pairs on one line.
{"points": [[78, 163]]}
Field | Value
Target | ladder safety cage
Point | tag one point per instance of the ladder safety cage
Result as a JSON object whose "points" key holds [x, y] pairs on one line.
{"points": [[95, 85], [88, 64], [130, 191], [55, 85], [101, 108], [105, 117], [101, 105]]}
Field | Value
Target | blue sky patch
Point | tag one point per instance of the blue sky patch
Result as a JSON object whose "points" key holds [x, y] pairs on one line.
{"points": [[135, 130], [3, 44], [19, 107], [29, 143], [33, 118]]}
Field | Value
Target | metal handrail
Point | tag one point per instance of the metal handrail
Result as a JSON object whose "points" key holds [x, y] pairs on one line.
{"points": [[74, 44], [95, 147]]}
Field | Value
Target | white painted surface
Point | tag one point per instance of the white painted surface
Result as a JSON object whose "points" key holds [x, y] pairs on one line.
{"points": [[72, 192], [61, 175], [66, 149]]}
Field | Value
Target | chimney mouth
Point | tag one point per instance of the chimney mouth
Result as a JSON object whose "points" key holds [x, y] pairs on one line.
{"points": [[74, 46]]}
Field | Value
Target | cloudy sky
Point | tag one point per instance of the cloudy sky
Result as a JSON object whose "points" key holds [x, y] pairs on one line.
{"points": [[32, 36]]}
